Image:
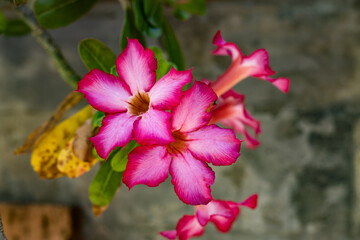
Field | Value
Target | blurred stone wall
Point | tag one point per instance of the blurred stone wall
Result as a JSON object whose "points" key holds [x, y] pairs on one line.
{"points": [[307, 170]]}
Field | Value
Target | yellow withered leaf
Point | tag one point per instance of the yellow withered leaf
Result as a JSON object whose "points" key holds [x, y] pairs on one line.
{"points": [[45, 155], [98, 210], [69, 164]]}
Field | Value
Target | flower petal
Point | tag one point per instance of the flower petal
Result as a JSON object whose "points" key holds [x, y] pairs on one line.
{"points": [[224, 224], [170, 234], [250, 202], [257, 64], [188, 226], [224, 48], [213, 144], [215, 207], [283, 84], [104, 91], [153, 128], [193, 109], [116, 131], [166, 92], [137, 66], [192, 179], [147, 165]]}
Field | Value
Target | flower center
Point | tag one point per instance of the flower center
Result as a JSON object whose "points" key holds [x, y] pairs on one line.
{"points": [[139, 104], [179, 144]]}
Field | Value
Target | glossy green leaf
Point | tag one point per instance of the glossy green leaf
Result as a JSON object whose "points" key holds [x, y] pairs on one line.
{"points": [[19, 2], [97, 119], [97, 155], [104, 185], [95, 54], [163, 65], [172, 46], [16, 28], [197, 7], [59, 13], [143, 23], [3, 22], [130, 30], [120, 158]]}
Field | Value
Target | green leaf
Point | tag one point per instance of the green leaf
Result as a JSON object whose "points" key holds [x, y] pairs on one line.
{"points": [[94, 152], [113, 71], [172, 46], [19, 2], [197, 7], [95, 54], [149, 27], [130, 30], [16, 27], [181, 14], [59, 13], [163, 65], [153, 12], [3, 22], [97, 119], [120, 158], [105, 184]]}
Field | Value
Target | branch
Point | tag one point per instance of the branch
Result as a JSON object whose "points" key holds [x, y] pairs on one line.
{"points": [[2, 235], [45, 40]]}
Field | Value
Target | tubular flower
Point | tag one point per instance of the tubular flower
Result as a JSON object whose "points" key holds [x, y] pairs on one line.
{"points": [[255, 65], [231, 112], [186, 158], [221, 213], [133, 103]]}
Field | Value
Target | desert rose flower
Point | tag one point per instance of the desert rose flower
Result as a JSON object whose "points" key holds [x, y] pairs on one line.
{"points": [[231, 112], [221, 213], [255, 65], [133, 103], [196, 144]]}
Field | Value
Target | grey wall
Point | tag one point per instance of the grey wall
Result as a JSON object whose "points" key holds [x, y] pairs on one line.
{"points": [[305, 169]]}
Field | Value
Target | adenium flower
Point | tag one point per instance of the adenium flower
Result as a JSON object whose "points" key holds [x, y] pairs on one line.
{"points": [[255, 65], [221, 213], [133, 103], [231, 112], [196, 144]]}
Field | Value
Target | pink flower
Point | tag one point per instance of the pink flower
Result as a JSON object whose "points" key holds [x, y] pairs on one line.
{"points": [[231, 112], [133, 103], [255, 65], [221, 213], [186, 158]]}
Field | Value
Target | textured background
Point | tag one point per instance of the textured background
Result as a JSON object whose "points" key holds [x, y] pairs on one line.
{"points": [[305, 171]]}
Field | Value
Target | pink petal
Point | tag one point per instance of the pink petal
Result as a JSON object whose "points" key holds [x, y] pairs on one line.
{"points": [[250, 202], [170, 234], [224, 48], [257, 64], [105, 92], [215, 207], [213, 144], [250, 142], [137, 66], [147, 165], [192, 179], [224, 224], [283, 84], [166, 92], [116, 131], [193, 109], [153, 128], [188, 227]]}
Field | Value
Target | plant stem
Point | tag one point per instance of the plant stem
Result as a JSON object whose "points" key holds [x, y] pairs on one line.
{"points": [[46, 41]]}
